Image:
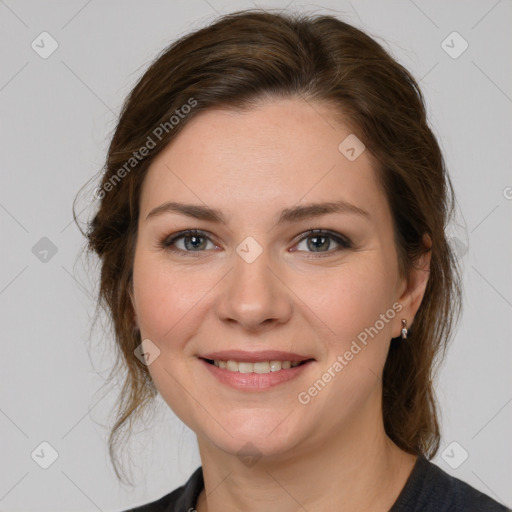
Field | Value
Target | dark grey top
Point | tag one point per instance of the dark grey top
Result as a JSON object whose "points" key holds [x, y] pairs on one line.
{"points": [[428, 489]]}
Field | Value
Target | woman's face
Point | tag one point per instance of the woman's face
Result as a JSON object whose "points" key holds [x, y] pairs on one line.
{"points": [[257, 284]]}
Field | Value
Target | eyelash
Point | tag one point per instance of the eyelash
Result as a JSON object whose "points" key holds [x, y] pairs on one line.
{"points": [[344, 243]]}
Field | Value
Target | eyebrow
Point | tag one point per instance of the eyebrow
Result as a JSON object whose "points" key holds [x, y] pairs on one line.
{"points": [[288, 215]]}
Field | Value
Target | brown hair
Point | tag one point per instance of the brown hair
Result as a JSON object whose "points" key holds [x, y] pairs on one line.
{"points": [[233, 63]]}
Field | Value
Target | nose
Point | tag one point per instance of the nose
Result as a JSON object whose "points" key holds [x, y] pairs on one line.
{"points": [[254, 296]]}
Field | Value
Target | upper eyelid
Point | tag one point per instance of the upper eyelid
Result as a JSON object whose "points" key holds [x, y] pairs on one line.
{"points": [[188, 232]]}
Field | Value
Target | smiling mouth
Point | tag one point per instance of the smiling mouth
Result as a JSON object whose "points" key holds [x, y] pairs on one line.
{"points": [[256, 367]]}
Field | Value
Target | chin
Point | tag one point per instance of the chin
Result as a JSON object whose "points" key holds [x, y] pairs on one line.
{"points": [[253, 434]]}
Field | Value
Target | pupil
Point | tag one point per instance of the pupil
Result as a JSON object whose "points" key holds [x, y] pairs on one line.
{"points": [[194, 241], [314, 245]]}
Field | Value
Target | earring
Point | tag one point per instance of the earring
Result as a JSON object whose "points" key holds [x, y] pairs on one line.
{"points": [[404, 329]]}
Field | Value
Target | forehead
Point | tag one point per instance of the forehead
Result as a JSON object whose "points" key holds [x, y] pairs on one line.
{"points": [[279, 153]]}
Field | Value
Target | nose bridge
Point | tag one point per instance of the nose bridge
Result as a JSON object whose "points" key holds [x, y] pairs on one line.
{"points": [[253, 295]]}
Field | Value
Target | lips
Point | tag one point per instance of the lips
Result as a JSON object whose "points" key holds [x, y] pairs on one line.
{"points": [[255, 371], [255, 376]]}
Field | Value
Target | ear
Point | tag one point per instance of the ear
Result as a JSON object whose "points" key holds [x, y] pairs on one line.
{"points": [[413, 289]]}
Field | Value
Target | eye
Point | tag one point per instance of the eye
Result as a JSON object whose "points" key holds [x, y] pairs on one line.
{"points": [[196, 241], [319, 241], [189, 241]]}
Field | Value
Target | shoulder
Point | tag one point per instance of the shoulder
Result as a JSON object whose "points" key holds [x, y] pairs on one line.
{"points": [[182, 499], [429, 488]]}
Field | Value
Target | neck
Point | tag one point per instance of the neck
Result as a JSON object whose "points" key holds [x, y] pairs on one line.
{"points": [[358, 469]]}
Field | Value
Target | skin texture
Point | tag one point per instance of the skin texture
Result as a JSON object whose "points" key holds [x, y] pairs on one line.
{"points": [[331, 453]]}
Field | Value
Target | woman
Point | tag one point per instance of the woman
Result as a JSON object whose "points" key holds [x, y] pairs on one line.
{"points": [[271, 233]]}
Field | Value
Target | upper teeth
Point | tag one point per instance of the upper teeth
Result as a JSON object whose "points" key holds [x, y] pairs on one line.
{"points": [[259, 367]]}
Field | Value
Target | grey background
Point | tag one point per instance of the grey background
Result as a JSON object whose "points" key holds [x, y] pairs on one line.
{"points": [[57, 116]]}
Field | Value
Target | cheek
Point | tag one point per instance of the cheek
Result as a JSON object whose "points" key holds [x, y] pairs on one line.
{"points": [[154, 295], [356, 304], [351, 298], [168, 300], [168, 309], [157, 300]]}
